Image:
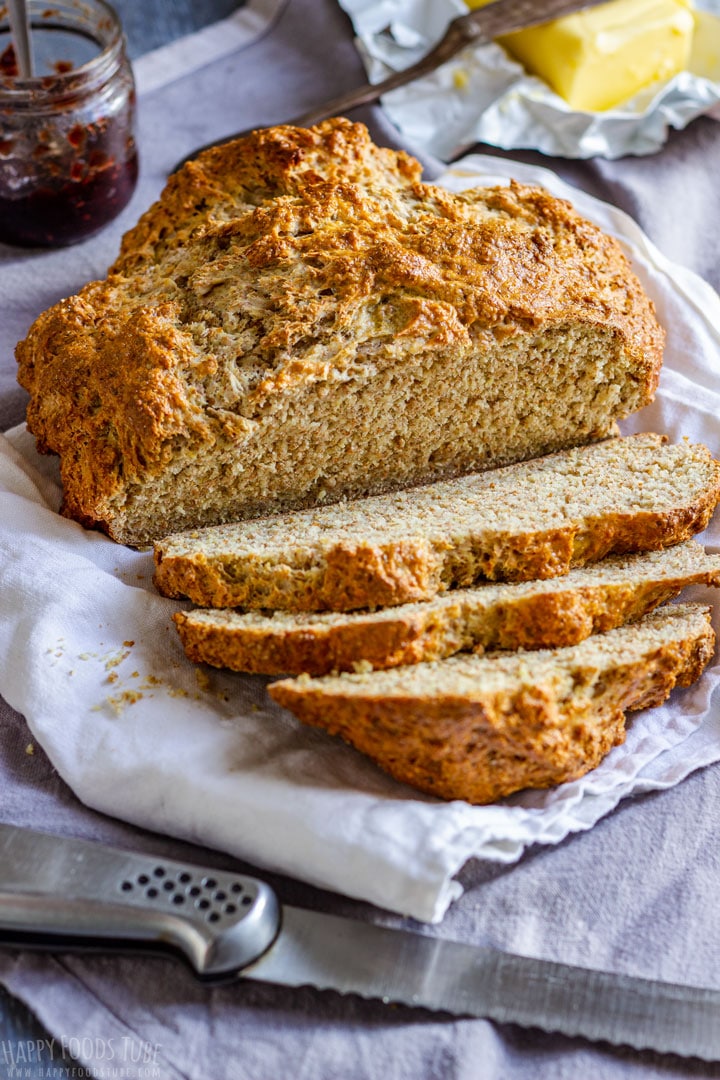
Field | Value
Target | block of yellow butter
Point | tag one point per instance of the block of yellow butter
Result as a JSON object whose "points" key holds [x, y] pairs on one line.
{"points": [[600, 57]]}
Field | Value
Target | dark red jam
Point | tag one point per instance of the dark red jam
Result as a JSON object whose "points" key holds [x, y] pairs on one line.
{"points": [[64, 210], [68, 160], [8, 63]]}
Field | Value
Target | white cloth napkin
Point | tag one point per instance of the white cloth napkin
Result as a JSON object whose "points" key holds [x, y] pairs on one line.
{"points": [[89, 655]]}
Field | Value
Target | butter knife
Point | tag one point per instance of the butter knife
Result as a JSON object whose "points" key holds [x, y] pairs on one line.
{"points": [[59, 894], [475, 28]]}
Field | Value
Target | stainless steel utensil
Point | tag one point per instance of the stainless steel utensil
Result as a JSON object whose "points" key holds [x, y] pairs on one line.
{"points": [[482, 25], [20, 33], [58, 893]]}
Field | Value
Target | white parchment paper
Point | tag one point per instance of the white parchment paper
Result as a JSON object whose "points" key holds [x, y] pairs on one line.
{"points": [[484, 96]]}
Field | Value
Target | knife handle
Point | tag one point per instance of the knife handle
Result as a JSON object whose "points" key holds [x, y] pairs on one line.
{"points": [[58, 891]]}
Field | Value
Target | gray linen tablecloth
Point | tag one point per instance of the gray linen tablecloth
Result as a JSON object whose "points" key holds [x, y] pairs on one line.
{"points": [[636, 894]]}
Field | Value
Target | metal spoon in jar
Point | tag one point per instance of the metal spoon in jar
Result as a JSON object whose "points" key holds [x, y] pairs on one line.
{"points": [[20, 33]]}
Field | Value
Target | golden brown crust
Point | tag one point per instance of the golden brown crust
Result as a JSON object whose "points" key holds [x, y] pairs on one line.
{"points": [[295, 281], [546, 618], [482, 747], [268, 164], [316, 650], [107, 403]]}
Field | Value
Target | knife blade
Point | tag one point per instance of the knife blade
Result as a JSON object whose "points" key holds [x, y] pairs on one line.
{"points": [[58, 893], [476, 28]]}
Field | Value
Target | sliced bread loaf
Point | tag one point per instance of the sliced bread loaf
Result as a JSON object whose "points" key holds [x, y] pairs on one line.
{"points": [[298, 319], [481, 727], [525, 521], [527, 615]]}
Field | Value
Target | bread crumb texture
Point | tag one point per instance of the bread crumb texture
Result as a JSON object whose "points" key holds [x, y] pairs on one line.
{"points": [[299, 319], [535, 519], [482, 727]]}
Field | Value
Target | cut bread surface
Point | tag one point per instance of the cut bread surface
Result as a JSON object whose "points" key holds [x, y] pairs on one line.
{"points": [[481, 727], [528, 615], [531, 520]]}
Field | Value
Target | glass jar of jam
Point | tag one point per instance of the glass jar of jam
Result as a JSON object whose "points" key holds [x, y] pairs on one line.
{"points": [[68, 160]]}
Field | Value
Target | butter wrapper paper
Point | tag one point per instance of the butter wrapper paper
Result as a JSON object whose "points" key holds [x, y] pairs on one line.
{"points": [[483, 95]]}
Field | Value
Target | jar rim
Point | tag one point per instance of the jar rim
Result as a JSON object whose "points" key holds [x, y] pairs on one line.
{"points": [[107, 34]]}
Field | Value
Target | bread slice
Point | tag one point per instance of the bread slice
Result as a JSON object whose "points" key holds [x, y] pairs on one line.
{"points": [[528, 615], [299, 319], [526, 521], [481, 727]]}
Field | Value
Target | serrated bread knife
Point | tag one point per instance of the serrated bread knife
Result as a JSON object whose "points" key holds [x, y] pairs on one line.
{"points": [[58, 893]]}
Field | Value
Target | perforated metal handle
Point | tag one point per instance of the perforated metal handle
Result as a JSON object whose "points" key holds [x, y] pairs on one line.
{"points": [[62, 891]]}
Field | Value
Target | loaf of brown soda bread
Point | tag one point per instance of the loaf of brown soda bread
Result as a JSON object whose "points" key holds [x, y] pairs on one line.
{"points": [[299, 319]]}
